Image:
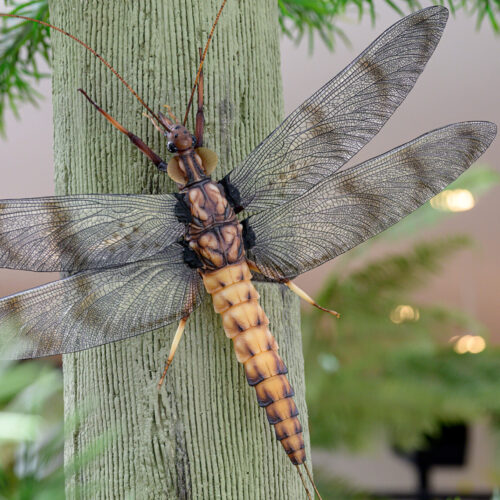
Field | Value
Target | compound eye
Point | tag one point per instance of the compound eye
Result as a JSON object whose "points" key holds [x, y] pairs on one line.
{"points": [[172, 148]]}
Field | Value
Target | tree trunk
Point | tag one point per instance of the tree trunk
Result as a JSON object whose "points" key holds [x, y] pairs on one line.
{"points": [[203, 436]]}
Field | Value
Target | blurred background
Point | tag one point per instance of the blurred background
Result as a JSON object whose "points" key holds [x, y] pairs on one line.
{"points": [[402, 391]]}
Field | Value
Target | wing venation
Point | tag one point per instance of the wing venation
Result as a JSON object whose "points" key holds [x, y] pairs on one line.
{"points": [[72, 233], [332, 125], [360, 202], [97, 307]]}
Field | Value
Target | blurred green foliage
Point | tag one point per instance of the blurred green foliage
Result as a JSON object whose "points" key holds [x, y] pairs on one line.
{"points": [[31, 431], [367, 374], [333, 488], [22, 46], [32, 434]]}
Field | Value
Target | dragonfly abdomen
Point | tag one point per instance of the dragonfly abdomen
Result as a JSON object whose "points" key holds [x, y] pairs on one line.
{"points": [[245, 322]]}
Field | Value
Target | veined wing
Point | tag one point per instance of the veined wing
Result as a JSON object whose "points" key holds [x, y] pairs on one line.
{"points": [[360, 202], [97, 307], [340, 118], [70, 233]]}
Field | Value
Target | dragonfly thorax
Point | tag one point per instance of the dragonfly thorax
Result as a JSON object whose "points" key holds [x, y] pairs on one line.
{"points": [[189, 165], [186, 168], [214, 232]]}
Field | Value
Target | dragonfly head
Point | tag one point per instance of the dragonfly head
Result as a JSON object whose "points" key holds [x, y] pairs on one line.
{"points": [[180, 139], [178, 136]]}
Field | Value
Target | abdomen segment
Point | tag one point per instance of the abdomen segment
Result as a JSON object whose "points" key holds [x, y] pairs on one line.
{"points": [[245, 322]]}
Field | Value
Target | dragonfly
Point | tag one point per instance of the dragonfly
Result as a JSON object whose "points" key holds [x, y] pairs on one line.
{"points": [[140, 262]]}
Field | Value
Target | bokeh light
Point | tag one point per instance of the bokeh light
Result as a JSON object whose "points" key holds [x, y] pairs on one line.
{"points": [[453, 200], [470, 343], [404, 312]]}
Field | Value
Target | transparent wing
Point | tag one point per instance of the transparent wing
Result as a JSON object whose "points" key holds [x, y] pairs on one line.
{"points": [[97, 307], [70, 233], [340, 118], [360, 202]]}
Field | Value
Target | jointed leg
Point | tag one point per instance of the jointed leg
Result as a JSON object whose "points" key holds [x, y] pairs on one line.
{"points": [[173, 348], [136, 141], [303, 295], [295, 289], [200, 117], [253, 266]]}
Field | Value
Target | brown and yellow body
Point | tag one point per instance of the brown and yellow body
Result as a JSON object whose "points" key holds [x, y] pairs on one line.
{"points": [[215, 235], [245, 322]]}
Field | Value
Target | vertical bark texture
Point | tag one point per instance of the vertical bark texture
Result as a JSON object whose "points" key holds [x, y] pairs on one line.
{"points": [[204, 435]]}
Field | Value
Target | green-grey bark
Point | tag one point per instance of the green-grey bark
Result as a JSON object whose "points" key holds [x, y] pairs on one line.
{"points": [[204, 435]]}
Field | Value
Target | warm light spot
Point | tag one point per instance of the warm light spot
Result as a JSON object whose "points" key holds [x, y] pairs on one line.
{"points": [[470, 343], [453, 200], [462, 344], [404, 313], [476, 344]]}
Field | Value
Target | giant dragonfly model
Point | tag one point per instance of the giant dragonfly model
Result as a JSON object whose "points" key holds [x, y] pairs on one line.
{"points": [[144, 261]]}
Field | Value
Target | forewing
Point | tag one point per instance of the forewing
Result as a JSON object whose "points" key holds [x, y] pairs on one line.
{"points": [[360, 202], [70, 233], [340, 118], [97, 307]]}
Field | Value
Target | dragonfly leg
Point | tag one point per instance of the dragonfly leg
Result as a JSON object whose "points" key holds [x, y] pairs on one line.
{"points": [[295, 289], [303, 295], [200, 117], [136, 141], [173, 348], [253, 266]]}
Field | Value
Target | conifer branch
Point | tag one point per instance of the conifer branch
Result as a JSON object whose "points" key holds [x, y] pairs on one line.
{"points": [[23, 45]]}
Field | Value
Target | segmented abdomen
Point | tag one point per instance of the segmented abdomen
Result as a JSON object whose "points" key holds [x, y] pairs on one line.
{"points": [[245, 322]]}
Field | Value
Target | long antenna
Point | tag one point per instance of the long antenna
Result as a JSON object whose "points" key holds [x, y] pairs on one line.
{"points": [[106, 63], [202, 61]]}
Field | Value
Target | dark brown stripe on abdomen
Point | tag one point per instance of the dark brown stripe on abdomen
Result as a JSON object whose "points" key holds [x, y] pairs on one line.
{"points": [[245, 322]]}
